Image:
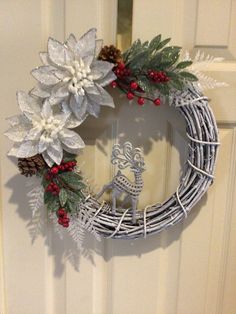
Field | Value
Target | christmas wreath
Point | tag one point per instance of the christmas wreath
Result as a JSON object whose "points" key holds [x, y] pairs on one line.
{"points": [[71, 86]]}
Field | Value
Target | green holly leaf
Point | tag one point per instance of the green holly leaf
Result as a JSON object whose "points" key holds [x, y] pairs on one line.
{"points": [[73, 197], [163, 43], [44, 181], [69, 157], [183, 64], [188, 76], [72, 179], [71, 206], [63, 197], [154, 42], [139, 60], [176, 84], [53, 205], [132, 51], [145, 84], [48, 197]]}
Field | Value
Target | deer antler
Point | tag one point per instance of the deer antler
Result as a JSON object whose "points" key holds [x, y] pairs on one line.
{"points": [[125, 155], [138, 157]]}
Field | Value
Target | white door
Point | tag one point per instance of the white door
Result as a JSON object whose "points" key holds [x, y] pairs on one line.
{"points": [[190, 268]]}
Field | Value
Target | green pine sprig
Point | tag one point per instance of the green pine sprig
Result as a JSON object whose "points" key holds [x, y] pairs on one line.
{"points": [[157, 56]]}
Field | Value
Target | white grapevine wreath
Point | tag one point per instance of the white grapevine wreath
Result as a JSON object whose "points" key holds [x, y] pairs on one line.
{"points": [[71, 86]]}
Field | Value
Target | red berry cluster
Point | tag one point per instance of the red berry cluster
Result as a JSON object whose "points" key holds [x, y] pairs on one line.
{"points": [[63, 167], [63, 219], [121, 70], [53, 188], [158, 76]]}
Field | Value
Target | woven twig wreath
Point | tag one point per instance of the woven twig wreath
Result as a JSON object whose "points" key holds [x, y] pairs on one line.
{"points": [[70, 87], [202, 133]]}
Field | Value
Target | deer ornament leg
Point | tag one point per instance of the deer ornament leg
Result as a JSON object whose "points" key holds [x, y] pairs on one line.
{"points": [[126, 156], [104, 189]]}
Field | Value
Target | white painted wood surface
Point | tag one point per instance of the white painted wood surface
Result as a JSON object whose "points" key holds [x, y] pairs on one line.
{"points": [[190, 268]]}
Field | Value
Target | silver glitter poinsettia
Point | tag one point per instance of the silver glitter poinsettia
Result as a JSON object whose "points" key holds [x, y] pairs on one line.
{"points": [[39, 131], [71, 73]]}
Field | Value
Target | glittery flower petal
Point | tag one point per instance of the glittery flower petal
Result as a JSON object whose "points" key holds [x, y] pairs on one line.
{"points": [[78, 106], [27, 104], [58, 53], [71, 139], [33, 134], [44, 58], [47, 159], [13, 151], [99, 96], [71, 42], [107, 79], [47, 110], [45, 75], [86, 44], [17, 119], [93, 109], [17, 133], [101, 66], [60, 91], [55, 151], [42, 146], [72, 121], [40, 91], [107, 100], [27, 149], [98, 46]]}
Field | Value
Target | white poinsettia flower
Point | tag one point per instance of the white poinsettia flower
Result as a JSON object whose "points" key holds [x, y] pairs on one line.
{"points": [[72, 73], [38, 131]]}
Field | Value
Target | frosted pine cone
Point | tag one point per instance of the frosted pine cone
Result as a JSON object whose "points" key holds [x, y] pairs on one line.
{"points": [[30, 166], [110, 54]]}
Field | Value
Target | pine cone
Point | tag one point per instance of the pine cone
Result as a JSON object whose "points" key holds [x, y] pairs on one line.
{"points": [[110, 54], [30, 166]]}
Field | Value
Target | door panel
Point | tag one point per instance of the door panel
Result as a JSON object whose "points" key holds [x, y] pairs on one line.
{"points": [[189, 268]]}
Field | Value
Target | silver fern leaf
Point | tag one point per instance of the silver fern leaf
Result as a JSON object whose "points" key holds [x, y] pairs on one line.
{"points": [[87, 216], [200, 63], [76, 230], [35, 201], [35, 195]]}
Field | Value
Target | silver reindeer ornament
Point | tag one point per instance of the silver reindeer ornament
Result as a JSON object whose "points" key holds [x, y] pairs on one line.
{"points": [[125, 156]]}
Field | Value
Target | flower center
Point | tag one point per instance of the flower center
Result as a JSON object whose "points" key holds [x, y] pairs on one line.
{"points": [[50, 128], [80, 77]]}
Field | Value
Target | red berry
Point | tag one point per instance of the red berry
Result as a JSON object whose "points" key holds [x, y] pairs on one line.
{"points": [[130, 95], [61, 212], [66, 225], [127, 72], [49, 188], [133, 85], [65, 220], [121, 65], [48, 177], [60, 221], [117, 72], [141, 101], [113, 84], [157, 101], [151, 74], [54, 170]]}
